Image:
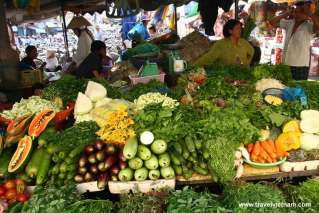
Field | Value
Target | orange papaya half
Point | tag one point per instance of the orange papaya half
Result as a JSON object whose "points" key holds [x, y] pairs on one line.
{"points": [[40, 122], [21, 155]]}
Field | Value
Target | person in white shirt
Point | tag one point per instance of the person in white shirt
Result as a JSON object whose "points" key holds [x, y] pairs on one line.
{"points": [[98, 34], [51, 60], [85, 39], [300, 29]]}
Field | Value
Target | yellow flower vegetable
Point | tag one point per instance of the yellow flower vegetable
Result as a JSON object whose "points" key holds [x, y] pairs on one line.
{"points": [[292, 126]]}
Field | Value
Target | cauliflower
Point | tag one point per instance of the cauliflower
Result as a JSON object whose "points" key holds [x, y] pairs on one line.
{"points": [[154, 98], [267, 83]]}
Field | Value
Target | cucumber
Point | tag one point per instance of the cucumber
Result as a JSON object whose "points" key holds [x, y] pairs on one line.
{"points": [[56, 169], [179, 156], [130, 148], [62, 155], [55, 158], [44, 168], [194, 154], [69, 160], [205, 154], [178, 148], [200, 170], [63, 167], [186, 153], [178, 170], [190, 144], [5, 158], [53, 148], [174, 159], [187, 173], [33, 166], [75, 152], [198, 144]]}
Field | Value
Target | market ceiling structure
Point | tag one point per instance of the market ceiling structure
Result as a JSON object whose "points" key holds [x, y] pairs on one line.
{"points": [[50, 8]]}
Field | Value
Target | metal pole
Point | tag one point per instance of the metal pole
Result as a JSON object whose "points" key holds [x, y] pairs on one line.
{"points": [[65, 35], [175, 14], [236, 10]]}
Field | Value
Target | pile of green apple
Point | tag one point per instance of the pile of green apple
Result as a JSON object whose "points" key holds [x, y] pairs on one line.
{"points": [[146, 159]]}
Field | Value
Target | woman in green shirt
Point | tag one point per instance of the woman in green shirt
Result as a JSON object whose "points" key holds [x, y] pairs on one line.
{"points": [[231, 50]]}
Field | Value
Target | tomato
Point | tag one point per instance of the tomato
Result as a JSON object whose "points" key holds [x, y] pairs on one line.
{"points": [[22, 197], [20, 185], [2, 191], [10, 184], [11, 194]]}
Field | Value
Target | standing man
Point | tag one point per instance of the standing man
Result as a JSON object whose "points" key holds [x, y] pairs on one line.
{"points": [[300, 26]]}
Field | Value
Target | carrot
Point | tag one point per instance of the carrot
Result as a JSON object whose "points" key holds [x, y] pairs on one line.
{"points": [[260, 160], [266, 146], [265, 155], [272, 144], [256, 149], [250, 147]]}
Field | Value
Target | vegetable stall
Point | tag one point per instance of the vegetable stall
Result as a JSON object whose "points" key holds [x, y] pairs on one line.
{"points": [[221, 124]]}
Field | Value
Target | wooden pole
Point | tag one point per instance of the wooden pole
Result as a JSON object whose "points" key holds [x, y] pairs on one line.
{"points": [[9, 58], [65, 34], [236, 10]]}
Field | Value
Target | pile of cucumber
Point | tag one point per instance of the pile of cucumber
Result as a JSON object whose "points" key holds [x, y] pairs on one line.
{"points": [[146, 159], [188, 157]]}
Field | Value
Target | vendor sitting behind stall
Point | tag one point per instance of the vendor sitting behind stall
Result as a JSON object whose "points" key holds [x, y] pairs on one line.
{"points": [[92, 65], [231, 50], [27, 62]]}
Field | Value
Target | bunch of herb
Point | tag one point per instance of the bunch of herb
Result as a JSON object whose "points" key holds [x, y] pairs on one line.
{"points": [[279, 72], [165, 123], [78, 135], [140, 203], [235, 195], [67, 88], [152, 86], [307, 192], [223, 131], [235, 72], [90, 206], [189, 201], [51, 199]]}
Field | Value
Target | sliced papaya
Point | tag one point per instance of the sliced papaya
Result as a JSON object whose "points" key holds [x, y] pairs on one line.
{"points": [[18, 125], [21, 155], [11, 139], [1, 144], [40, 122]]}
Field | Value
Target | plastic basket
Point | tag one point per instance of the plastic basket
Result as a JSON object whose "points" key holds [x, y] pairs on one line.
{"points": [[144, 80]]}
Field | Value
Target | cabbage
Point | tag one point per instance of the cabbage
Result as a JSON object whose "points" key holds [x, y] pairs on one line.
{"points": [[310, 125], [83, 104], [309, 141], [95, 91], [102, 102], [305, 114]]}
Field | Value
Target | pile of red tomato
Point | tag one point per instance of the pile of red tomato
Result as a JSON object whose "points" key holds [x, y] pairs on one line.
{"points": [[13, 191]]}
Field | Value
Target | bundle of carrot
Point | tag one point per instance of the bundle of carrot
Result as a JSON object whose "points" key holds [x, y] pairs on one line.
{"points": [[267, 151]]}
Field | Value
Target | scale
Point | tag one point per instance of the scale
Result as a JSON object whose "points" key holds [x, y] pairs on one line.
{"points": [[148, 68], [174, 62]]}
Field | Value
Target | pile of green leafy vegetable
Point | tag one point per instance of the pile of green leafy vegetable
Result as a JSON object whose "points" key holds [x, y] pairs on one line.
{"points": [[90, 206], [141, 203], [236, 195], [166, 123], [307, 192], [312, 92], [279, 72], [76, 136], [189, 201], [68, 87], [51, 199]]}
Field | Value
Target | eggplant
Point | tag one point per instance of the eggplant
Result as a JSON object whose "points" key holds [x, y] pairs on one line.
{"points": [[88, 177], [92, 159], [78, 178], [82, 170], [121, 156], [102, 180], [110, 149], [99, 145], [89, 149], [94, 169], [115, 170], [122, 164], [101, 167], [114, 178], [100, 156], [110, 161], [83, 161]]}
